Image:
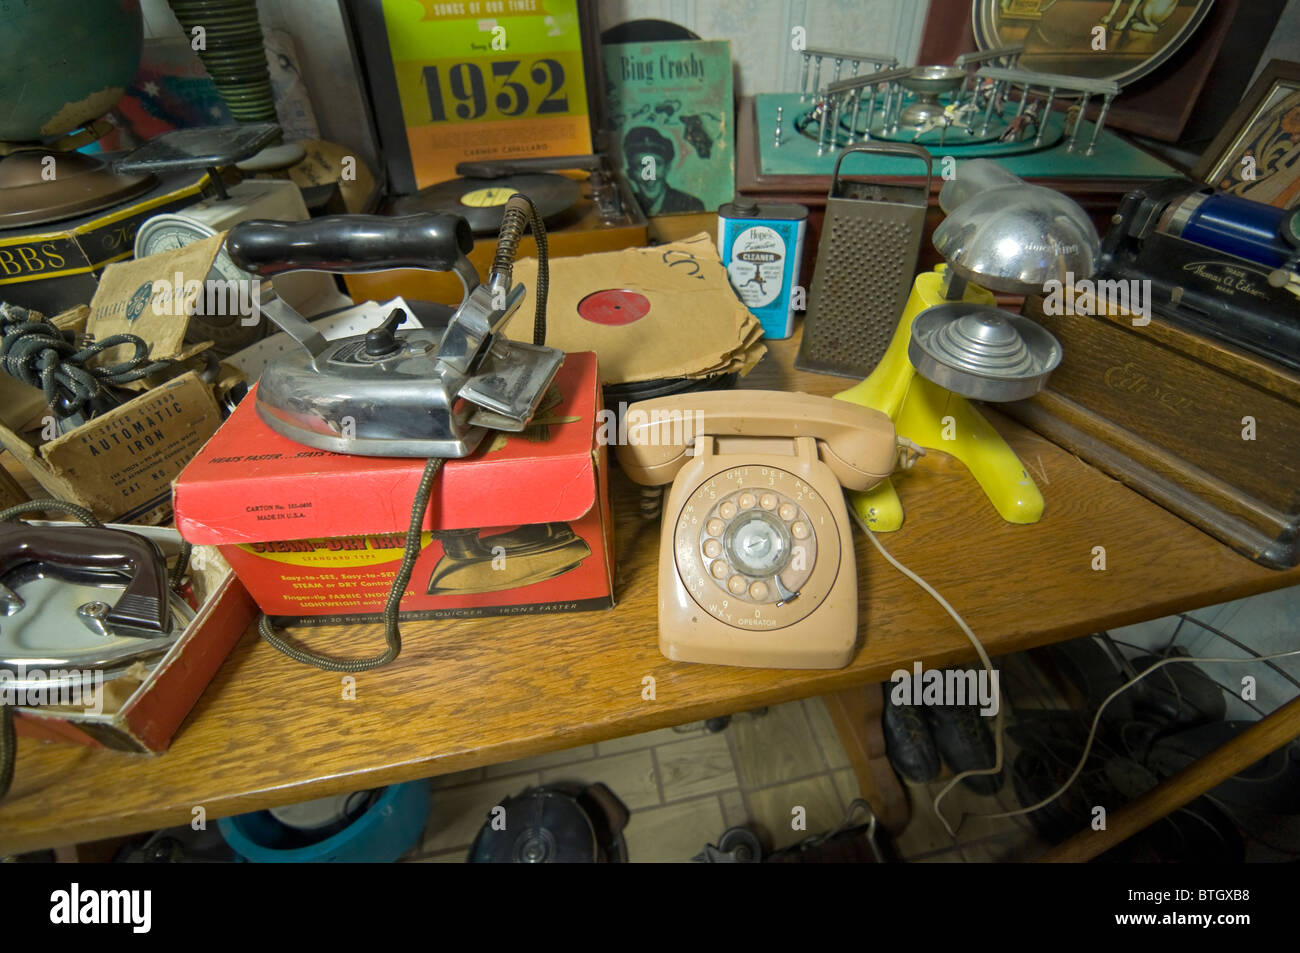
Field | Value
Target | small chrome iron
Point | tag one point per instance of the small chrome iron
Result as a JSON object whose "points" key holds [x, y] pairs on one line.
{"points": [[74, 598], [396, 393]]}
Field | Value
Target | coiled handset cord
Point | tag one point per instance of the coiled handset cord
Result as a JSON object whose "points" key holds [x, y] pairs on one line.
{"points": [[8, 737], [519, 212]]}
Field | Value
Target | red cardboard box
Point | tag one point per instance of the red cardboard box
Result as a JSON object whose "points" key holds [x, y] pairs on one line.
{"points": [[522, 525]]}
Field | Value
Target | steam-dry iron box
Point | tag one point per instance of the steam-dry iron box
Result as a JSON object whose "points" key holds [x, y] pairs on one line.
{"points": [[520, 526]]}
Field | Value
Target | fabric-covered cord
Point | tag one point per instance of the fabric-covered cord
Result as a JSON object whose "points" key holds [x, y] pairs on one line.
{"points": [[34, 351]]}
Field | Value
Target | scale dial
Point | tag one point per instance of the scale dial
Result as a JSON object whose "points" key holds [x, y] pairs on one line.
{"points": [[757, 547], [227, 331]]}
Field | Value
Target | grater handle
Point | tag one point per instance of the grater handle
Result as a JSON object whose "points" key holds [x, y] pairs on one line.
{"points": [[887, 148]]}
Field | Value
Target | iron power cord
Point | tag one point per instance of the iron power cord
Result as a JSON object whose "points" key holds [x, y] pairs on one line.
{"points": [[36, 352], [519, 212], [8, 737], [392, 632]]}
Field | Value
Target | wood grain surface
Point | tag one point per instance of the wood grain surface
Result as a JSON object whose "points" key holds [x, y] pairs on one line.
{"points": [[270, 731]]}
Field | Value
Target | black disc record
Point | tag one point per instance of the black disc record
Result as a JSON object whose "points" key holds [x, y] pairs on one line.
{"points": [[481, 202]]}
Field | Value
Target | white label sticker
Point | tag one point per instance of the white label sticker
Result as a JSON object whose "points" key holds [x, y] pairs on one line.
{"points": [[757, 265]]}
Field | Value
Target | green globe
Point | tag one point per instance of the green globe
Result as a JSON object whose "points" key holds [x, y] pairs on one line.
{"points": [[64, 63]]}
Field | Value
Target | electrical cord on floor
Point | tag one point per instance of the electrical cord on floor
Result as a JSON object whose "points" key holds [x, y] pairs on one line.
{"points": [[8, 737], [979, 650], [997, 728], [519, 212], [36, 352], [1096, 721]]}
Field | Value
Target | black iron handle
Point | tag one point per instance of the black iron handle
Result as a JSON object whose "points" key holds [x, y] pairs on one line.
{"points": [[350, 243], [143, 604]]}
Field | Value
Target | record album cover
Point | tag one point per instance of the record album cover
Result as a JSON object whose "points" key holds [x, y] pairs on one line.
{"points": [[670, 115], [474, 80]]}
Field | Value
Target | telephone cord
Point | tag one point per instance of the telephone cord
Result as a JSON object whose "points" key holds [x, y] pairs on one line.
{"points": [[998, 727]]}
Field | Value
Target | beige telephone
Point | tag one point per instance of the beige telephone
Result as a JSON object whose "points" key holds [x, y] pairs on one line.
{"points": [[756, 559]]}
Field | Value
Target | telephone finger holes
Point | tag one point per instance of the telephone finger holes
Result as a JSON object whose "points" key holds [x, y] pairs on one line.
{"points": [[758, 546]]}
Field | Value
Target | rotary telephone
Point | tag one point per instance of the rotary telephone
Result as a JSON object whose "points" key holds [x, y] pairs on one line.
{"points": [[756, 563]]}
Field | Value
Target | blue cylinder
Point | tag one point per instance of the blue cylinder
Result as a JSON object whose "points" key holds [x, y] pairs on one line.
{"points": [[1231, 224], [386, 830]]}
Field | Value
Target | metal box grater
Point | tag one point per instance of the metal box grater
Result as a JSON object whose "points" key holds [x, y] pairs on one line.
{"points": [[865, 263]]}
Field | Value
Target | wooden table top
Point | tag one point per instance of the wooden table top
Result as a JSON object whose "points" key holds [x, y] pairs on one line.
{"points": [[271, 731]]}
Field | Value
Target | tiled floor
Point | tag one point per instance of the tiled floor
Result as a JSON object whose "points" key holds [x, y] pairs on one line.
{"points": [[684, 786]]}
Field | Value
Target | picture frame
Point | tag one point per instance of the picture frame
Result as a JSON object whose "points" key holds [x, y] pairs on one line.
{"points": [[1265, 127], [419, 153], [1158, 105], [1058, 34]]}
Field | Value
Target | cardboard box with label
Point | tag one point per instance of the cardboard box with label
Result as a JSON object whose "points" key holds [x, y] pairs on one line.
{"points": [[121, 462], [54, 266], [120, 465], [520, 526]]}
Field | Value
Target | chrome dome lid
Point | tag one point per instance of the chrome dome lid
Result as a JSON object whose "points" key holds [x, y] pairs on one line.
{"points": [[1007, 235]]}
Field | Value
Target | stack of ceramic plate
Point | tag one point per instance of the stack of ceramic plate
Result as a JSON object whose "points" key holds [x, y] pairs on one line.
{"points": [[234, 55]]}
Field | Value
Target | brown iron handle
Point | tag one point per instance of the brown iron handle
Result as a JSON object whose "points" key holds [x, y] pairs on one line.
{"points": [[141, 609]]}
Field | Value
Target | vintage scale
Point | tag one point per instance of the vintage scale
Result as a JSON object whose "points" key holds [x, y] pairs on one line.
{"points": [[953, 344]]}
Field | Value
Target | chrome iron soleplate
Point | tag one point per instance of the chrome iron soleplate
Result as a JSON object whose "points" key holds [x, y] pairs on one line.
{"points": [[47, 634]]}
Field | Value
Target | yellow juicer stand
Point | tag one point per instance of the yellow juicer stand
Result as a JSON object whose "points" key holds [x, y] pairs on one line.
{"points": [[918, 408]]}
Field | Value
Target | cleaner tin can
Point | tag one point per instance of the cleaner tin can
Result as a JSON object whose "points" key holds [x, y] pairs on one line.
{"points": [[762, 247]]}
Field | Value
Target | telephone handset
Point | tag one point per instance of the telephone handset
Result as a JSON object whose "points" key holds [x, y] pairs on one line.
{"points": [[756, 562]]}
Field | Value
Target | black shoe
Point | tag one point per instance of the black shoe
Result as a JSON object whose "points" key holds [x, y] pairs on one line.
{"points": [[965, 742], [909, 744]]}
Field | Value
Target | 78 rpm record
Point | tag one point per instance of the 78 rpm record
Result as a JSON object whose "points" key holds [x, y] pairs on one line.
{"points": [[614, 306], [482, 201]]}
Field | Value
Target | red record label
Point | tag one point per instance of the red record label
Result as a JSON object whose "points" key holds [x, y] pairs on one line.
{"points": [[614, 307]]}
